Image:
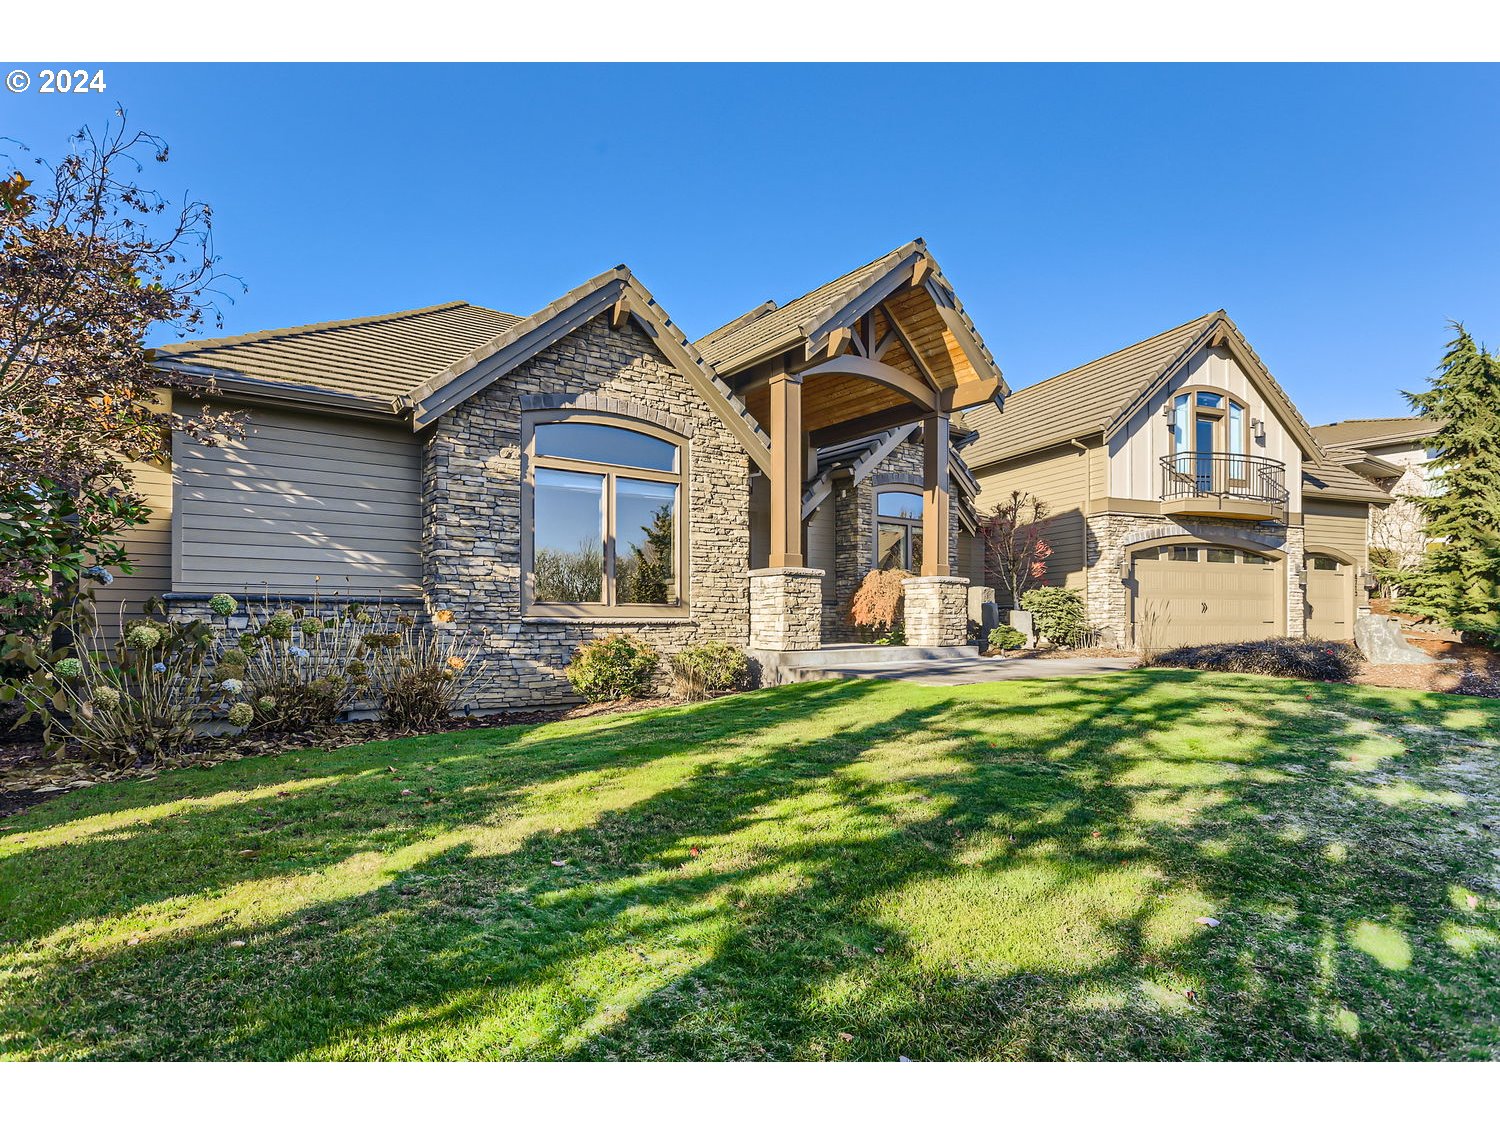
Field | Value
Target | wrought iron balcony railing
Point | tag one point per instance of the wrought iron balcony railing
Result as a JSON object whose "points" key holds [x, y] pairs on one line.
{"points": [[1232, 476]]}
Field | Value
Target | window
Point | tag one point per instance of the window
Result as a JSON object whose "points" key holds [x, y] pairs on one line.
{"points": [[605, 518], [898, 531], [1188, 552], [1322, 562], [1205, 423]]}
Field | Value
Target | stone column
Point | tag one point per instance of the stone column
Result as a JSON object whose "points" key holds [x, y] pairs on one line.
{"points": [[937, 610], [786, 608]]}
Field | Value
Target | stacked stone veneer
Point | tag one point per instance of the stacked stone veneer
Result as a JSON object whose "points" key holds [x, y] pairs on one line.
{"points": [[936, 611], [1113, 538], [854, 533], [472, 510], [786, 608]]}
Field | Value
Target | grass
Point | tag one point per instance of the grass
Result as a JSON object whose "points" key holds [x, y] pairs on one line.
{"points": [[848, 869]]}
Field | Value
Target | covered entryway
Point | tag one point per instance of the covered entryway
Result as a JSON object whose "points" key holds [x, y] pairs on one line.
{"points": [[1191, 593], [1330, 598]]}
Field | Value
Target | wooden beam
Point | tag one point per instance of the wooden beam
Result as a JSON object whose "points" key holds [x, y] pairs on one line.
{"points": [[883, 345], [966, 394], [906, 342], [787, 444], [894, 378], [866, 424], [919, 271], [619, 313], [935, 497]]}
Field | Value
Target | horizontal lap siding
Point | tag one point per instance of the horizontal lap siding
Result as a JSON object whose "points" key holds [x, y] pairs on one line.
{"points": [[149, 547], [1060, 477], [1343, 527], [301, 502]]}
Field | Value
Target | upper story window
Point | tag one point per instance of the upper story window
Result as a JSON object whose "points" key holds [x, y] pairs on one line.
{"points": [[898, 530], [1205, 423], [603, 518]]}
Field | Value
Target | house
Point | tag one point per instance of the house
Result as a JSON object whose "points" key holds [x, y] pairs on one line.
{"points": [[586, 469], [1396, 452], [1189, 499]]}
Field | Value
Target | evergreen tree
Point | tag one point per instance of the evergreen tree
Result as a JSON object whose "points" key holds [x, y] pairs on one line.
{"points": [[1459, 581]]}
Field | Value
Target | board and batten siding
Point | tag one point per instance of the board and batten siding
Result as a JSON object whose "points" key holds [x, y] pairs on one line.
{"points": [[1135, 452], [1342, 526], [300, 502], [1059, 476], [822, 552], [149, 547]]}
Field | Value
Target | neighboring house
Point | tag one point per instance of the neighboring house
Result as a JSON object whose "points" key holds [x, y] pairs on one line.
{"points": [[587, 469], [1190, 502], [1396, 452]]}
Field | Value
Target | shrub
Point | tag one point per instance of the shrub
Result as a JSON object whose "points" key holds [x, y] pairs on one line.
{"points": [[708, 669], [877, 604], [618, 666], [139, 698], [1005, 638], [420, 680], [1333, 661], [1058, 614]]}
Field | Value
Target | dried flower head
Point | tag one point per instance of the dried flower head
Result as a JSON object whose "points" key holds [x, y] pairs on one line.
{"points": [[233, 687], [68, 668], [106, 696], [443, 617], [143, 636], [456, 663], [241, 714], [223, 605]]}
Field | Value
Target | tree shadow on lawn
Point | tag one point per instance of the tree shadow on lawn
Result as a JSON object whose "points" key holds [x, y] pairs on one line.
{"points": [[1030, 858]]}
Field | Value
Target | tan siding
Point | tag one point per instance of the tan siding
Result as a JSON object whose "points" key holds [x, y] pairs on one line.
{"points": [[150, 549], [300, 497], [1342, 526], [970, 561], [1061, 478]]}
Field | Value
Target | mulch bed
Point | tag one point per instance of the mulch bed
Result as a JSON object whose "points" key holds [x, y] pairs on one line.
{"points": [[1474, 669], [30, 775]]}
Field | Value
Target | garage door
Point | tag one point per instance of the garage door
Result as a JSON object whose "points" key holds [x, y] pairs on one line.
{"points": [[1189, 594], [1330, 598]]}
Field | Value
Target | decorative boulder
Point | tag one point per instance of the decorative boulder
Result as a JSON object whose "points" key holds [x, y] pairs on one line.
{"points": [[983, 611], [1379, 639], [1022, 621]]}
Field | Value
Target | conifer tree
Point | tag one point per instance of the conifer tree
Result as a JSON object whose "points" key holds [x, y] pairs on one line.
{"points": [[1459, 582]]}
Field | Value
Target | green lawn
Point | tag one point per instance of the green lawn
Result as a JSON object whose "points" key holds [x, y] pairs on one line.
{"points": [[849, 869]]}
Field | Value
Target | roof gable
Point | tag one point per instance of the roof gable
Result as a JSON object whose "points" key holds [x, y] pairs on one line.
{"points": [[1099, 398], [807, 322], [616, 293]]}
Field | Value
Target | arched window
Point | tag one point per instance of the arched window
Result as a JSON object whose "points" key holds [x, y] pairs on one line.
{"points": [[1205, 423], [898, 530], [603, 517]]}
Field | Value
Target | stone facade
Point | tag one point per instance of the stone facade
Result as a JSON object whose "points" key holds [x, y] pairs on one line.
{"points": [[937, 611], [1112, 537], [854, 531], [472, 510], [786, 609]]}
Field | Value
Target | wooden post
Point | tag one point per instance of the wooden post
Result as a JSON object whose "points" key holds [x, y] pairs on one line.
{"points": [[786, 469], [935, 562]]}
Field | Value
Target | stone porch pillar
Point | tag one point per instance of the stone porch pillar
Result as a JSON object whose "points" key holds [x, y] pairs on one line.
{"points": [[786, 608], [937, 611]]}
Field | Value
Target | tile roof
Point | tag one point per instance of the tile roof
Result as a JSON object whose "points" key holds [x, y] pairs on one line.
{"points": [[1334, 481], [1365, 432], [1082, 401], [373, 358], [759, 330]]}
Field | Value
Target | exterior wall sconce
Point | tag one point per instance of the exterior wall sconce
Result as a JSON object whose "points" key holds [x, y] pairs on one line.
{"points": [[1258, 428]]}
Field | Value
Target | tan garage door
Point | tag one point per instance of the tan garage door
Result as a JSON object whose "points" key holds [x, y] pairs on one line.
{"points": [[1330, 598], [1189, 594]]}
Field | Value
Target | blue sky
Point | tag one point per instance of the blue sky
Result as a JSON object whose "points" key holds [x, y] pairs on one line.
{"points": [[1340, 213]]}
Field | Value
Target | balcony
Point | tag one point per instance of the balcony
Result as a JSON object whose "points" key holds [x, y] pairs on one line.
{"points": [[1230, 486]]}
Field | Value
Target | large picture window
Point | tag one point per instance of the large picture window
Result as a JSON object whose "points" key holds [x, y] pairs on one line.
{"points": [[898, 531], [604, 518]]}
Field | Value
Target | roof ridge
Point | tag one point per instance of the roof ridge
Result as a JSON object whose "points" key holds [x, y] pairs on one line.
{"points": [[1119, 351], [212, 343]]}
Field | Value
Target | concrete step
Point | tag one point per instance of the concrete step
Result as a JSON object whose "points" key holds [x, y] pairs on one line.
{"points": [[834, 660]]}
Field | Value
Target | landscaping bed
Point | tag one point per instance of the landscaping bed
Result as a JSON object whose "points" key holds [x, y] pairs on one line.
{"points": [[1157, 864]]}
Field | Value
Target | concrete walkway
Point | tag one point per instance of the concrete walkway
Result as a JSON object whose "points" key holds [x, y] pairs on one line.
{"points": [[980, 670]]}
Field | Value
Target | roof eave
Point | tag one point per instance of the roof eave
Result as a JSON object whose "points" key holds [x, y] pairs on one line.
{"points": [[237, 385]]}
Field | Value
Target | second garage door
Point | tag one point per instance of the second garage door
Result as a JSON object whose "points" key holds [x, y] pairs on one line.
{"points": [[1190, 594]]}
